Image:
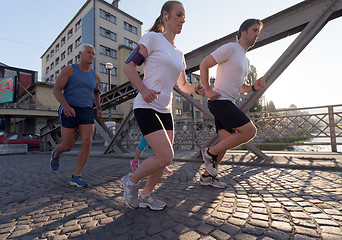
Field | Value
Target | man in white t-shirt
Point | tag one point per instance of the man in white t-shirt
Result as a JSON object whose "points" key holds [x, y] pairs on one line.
{"points": [[232, 125]]}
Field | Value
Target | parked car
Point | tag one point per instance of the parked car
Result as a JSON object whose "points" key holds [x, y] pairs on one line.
{"points": [[32, 140]]}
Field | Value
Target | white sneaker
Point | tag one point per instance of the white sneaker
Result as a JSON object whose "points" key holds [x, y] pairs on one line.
{"points": [[211, 181], [209, 163], [151, 201], [130, 192]]}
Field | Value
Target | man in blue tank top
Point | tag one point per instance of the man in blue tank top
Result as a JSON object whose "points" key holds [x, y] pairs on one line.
{"points": [[75, 89]]}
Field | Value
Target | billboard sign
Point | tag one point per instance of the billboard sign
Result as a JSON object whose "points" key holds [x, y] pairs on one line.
{"points": [[7, 89]]}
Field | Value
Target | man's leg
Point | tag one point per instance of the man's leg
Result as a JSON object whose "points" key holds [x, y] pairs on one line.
{"points": [[68, 140], [86, 132], [222, 134], [242, 135], [216, 153]]}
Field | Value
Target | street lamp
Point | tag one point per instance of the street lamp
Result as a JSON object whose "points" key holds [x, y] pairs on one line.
{"points": [[109, 67]]}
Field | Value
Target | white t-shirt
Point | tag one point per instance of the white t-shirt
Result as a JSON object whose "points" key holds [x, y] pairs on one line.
{"points": [[232, 69], [162, 68]]}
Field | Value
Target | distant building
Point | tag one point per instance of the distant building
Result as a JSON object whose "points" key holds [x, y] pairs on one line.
{"points": [[14, 83]]}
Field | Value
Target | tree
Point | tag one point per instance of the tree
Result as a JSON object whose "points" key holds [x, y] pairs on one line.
{"points": [[270, 106]]}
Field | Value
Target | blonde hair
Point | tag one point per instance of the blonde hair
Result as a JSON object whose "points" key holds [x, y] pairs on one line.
{"points": [[159, 24]]}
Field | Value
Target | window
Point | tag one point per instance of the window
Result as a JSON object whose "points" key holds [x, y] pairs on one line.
{"points": [[77, 58], [130, 28], [113, 71], [107, 34], [52, 66], [103, 68], [62, 55], [78, 25], [70, 62], [106, 15], [47, 57], [57, 73], [57, 61], [62, 67], [70, 49], [52, 52], [78, 42], [12, 137], [63, 41], [188, 77], [107, 51], [130, 43], [196, 79], [103, 87], [198, 114], [47, 70], [57, 47], [70, 33], [52, 77], [178, 112], [178, 98]]}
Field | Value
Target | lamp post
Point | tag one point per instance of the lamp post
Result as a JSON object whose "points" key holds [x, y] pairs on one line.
{"points": [[109, 67]]}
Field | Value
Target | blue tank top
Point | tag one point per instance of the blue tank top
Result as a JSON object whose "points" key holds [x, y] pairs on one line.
{"points": [[79, 91]]}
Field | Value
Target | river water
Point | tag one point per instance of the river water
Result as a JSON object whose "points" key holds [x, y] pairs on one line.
{"points": [[319, 148]]}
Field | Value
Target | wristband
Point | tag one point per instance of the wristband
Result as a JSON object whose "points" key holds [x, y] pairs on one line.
{"points": [[97, 108], [253, 88], [196, 91]]}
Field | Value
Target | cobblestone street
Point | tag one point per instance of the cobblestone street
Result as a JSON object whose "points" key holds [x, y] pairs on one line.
{"points": [[258, 203]]}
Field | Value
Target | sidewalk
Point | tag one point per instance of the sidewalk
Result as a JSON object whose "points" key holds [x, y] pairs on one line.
{"points": [[269, 201]]}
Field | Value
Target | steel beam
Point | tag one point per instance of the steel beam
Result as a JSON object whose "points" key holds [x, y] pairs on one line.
{"points": [[280, 25], [319, 20]]}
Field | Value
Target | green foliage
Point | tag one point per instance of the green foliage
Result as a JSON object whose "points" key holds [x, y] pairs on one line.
{"points": [[298, 138]]}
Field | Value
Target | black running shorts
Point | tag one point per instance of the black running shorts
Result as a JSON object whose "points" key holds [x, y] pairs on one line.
{"points": [[227, 115], [150, 120]]}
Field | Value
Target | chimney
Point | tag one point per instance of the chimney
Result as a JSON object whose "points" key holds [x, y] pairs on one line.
{"points": [[115, 3]]}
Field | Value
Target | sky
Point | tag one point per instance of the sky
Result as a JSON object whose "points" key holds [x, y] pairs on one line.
{"points": [[313, 79]]}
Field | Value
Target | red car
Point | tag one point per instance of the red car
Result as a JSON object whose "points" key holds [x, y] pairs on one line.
{"points": [[32, 140]]}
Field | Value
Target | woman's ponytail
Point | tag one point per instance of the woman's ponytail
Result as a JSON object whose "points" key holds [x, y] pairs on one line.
{"points": [[158, 25]]}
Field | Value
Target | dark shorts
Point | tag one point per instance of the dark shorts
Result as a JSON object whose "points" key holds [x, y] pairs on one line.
{"points": [[227, 115], [82, 116], [150, 120]]}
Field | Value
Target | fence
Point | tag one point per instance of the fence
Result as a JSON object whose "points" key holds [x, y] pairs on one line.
{"points": [[300, 126], [281, 128]]}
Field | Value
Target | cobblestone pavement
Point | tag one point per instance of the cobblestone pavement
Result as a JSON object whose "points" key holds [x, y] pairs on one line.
{"points": [[258, 203]]}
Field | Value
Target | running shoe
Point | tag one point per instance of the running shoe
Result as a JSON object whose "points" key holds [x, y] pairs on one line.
{"points": [[168, 170], [211, 181], [209, 163], [78, 181], [54, 162], [151, 201], [130, 192], [134, 165]]}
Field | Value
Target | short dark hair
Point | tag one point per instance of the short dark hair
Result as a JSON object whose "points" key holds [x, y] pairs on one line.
{"points": [[246, 24]]}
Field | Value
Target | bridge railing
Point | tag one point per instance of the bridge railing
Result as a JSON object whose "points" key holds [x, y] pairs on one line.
{"points": [[320, 125], [298, 126]]}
